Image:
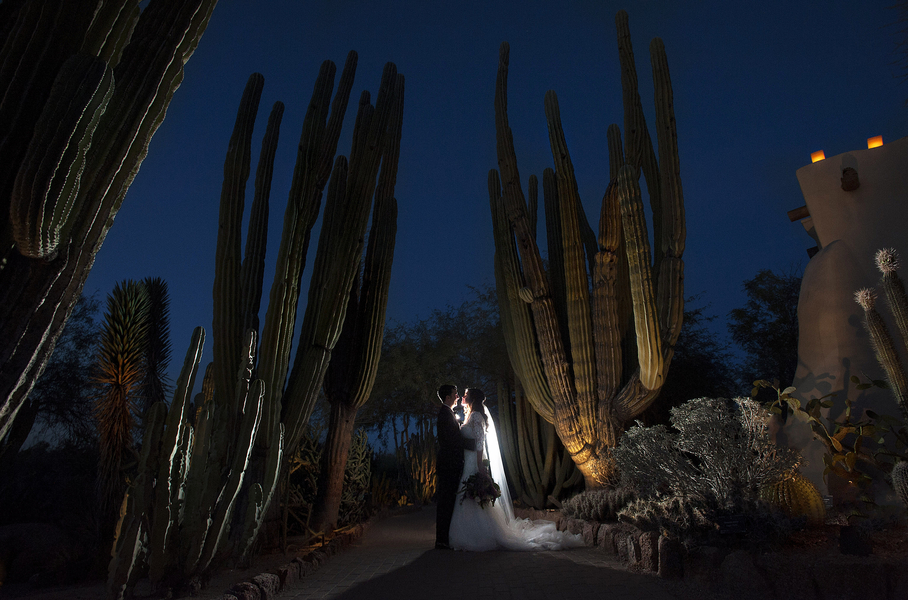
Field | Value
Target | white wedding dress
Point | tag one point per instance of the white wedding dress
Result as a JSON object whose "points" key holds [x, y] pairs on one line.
{"points": [[495, 527]]}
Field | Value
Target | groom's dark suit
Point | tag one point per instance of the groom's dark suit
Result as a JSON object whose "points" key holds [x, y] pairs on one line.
{"points": [[449, 467]]}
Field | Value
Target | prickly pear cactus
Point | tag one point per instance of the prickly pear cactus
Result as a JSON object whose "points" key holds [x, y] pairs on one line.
{"points": [[796, 496]]}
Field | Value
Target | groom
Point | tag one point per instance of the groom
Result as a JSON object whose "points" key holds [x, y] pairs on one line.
{"points": [[449, 464]]}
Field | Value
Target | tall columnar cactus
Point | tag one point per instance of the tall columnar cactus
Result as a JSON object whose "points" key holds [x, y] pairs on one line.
{"points": [[538, 465], [883, 345], [591, 359], [169, 526], [239, 427], [86, 84], [354, 362]]}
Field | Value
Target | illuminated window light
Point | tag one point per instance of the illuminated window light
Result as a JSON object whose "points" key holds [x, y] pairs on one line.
{"points": [[875, 142], [817, 156]]}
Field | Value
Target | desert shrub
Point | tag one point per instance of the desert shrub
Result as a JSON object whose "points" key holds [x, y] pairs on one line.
{"points": [[710, 464], [597, 505]]}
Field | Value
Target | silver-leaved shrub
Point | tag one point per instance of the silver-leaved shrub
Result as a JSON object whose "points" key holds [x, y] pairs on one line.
{"points": [[718, 453]]}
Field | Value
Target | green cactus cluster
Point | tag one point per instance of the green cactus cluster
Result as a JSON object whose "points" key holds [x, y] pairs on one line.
{"points": [[796, 496], [591, 339], [242, 423], [178, 510], [86, 85]]}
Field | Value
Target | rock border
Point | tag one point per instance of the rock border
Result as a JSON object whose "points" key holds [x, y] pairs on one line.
{"points": [[270, 584], [645, 551], [740, 574]]}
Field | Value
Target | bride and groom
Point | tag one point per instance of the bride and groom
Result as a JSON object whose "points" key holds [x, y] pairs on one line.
{"points": [[463, 523]]}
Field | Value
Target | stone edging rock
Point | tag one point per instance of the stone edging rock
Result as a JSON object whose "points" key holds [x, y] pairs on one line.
{"points": [[641, 550], [266, 586], [741, 574]]}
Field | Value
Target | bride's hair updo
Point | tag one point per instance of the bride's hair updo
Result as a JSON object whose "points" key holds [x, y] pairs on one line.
{"points": [[476, 400]]}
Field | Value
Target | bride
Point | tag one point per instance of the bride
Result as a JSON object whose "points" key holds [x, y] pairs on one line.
{"points": [[479, 528]]}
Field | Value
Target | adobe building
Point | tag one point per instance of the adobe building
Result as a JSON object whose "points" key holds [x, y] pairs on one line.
{"points": [[856, 203]]}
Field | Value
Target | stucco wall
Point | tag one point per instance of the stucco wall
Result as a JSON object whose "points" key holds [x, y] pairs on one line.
{"points": [[849, 228]]}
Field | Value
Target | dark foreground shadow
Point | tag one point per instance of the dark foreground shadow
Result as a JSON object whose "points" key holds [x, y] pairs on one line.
{"points": [[442, 575]]}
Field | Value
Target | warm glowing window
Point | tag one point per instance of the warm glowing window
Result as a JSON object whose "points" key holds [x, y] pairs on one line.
{"points": [[817, 156], [875, 142]]}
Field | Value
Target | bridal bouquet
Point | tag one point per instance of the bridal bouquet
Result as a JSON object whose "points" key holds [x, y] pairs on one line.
{"points": [[481, 488]]}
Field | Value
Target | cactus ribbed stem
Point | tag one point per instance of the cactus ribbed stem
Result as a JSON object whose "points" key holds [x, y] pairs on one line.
{"points": [[585, 344], [887, 355]]}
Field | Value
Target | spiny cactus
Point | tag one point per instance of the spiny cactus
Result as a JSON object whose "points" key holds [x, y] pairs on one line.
{"points": [[883, 345], [593, 359], [86, 84], [900, 481], [796, 496]]}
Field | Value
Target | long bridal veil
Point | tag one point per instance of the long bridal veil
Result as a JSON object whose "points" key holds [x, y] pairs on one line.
{"points": [[496, 466], [521, 534]]}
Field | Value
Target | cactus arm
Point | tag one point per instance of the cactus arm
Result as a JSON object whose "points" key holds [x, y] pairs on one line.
{"points": [[376, 278], [516, 318], [673, 231], [608, 330], [555, 243], [318, 143], [533, 203], [249, 398], [47, 185], [165, 517], [252, 272], [146, 77], [338, 255], [639, 146], [551, 346], [138, 501], [884, 348], [227, 322], [111, 29], [649, 344], [575, 273]]}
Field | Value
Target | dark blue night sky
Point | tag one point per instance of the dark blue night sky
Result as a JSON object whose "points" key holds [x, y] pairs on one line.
{"points": [[758, 86]]}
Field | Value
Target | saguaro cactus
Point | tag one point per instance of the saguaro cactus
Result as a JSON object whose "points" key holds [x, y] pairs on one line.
{"points": [[86, 84], [593, 359]]}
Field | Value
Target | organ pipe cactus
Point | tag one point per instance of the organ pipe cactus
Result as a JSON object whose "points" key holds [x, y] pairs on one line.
{"points": [[86, 84], [538, 465], [354, 362], [239, 426], [593, 358]]}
